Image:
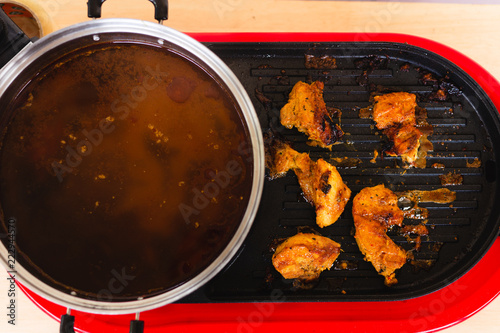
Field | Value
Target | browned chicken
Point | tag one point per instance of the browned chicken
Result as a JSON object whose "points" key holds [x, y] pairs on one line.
{"points": [[320, 181], [395, 114], [305, 256], [306, 110], [406, 142], [394, 109], [374, 210]]}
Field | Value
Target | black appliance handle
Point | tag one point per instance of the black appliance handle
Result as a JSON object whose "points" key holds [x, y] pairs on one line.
{"points": [[67, 324], [161, 9], [12, 38], [136, 326]]}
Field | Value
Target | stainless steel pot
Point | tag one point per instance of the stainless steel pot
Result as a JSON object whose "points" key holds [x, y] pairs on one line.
{"points": [[139, 31]]}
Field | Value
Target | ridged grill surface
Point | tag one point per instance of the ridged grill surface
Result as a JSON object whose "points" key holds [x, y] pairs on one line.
{"points": [[465, 127]]}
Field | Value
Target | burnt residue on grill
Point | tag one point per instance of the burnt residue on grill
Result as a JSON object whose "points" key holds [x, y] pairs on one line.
{"points": [[345, 265], [426, 77], [274, 244], [438, 166], [421, 119], [320, 62], [299, 284], [451, 178], [266, 102], [419, 265], [405, 67], [442, 88], [416, 213], [368, 65], [414, 233], [427, 130], [476, 163], [419, 230], [334, 112], [409, 202], [366, 113], [425, 146], [345, 162], [335, 284], [440, 196], [375, 155], [280, 80]]}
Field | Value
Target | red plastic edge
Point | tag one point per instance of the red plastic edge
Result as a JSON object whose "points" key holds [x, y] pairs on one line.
{"points": [[441, 309]]}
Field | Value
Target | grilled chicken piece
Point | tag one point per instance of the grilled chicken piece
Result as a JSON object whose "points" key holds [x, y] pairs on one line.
{"points": [[331, 194], [305, 256], [286, 158], [306, 110], [320, 181], [406, 140], [374, 210], [395, 114], [394, 109]]}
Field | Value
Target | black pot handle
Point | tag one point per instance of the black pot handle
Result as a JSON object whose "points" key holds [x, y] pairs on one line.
{"points": [[12, 39], [161, 9]]}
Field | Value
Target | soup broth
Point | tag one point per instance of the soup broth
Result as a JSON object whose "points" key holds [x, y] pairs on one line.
{"points": [[126, 169]]}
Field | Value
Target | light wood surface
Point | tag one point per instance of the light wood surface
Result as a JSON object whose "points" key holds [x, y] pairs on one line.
{"points": [[470, 29]]}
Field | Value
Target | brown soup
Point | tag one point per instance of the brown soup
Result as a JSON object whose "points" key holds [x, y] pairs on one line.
{"points": [[126, 169]]}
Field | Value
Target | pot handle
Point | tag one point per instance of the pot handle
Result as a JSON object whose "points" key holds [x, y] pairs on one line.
{"points": [[12, 38], [161, 9]]}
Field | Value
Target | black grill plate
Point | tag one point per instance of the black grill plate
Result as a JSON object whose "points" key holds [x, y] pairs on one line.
{"points": [[466, 126]]}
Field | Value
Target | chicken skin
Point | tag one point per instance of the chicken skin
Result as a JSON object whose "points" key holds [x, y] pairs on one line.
{"points": [[320, 182], [374, 210], [394, 109], [305, 256], [406, 142], [306, 110], [331, 194], [395, 114]]}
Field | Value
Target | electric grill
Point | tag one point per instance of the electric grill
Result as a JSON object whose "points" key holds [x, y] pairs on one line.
{"points": [[421, 301], [249, 293]]}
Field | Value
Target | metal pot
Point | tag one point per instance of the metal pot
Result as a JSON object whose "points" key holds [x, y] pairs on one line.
{"points": [[36, 55]]}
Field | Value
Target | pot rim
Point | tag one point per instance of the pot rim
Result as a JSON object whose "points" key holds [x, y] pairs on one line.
{"points": [[164, 34]]}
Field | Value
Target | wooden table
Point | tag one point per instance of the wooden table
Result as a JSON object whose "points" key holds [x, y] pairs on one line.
{"points": [[470, 29]]}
